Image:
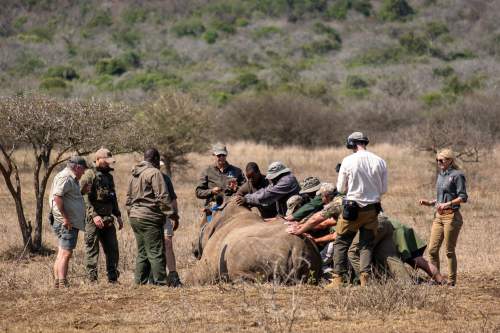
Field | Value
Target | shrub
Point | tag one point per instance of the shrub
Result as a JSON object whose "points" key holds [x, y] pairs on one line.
{"points": [[19, 22], [246, 80], [283, 119], [131, 59], [191, 27], [435, 98], [338, 10], [126, 37], [241, 22], [453, 85], [210, 36], [265, 32], [133, 15], [362, 6], [103, 82], [414, 44], [38, 35], [52, 83], [323, 29], [172, 57], [443, 71], [149, 81], [356, 82], [101, 19], [320, 47], [224, 26], [92, 56], [435, 29], [395, 10], [111, 66], [27, 64], [378, 56], [62, 72]]}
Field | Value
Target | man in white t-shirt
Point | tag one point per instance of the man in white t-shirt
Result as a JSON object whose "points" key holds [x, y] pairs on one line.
{"points": [[363, 179]]}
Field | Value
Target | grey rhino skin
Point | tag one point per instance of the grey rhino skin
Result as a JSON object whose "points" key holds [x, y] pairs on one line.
{"points": [[239, 245]]}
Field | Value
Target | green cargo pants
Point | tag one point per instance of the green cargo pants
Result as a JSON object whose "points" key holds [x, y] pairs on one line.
{"points": [[150, 251], [109, 243], [385, 254], [366, 223]]}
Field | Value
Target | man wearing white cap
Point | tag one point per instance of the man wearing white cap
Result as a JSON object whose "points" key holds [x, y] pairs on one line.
{"points": [[283, 186], [102, 209], [363, 179]]}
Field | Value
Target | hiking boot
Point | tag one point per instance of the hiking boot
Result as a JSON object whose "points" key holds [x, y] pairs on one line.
{"points": [[56, 283], [173, 280], [364, 279], [335, 283]]}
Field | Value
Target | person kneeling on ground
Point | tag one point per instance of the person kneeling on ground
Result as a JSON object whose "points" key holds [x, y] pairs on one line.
{"points": [[256, 181], [283, 186]]}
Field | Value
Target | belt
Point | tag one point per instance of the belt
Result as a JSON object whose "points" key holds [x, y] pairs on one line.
{"points": [[369, 207], [447, 211]]}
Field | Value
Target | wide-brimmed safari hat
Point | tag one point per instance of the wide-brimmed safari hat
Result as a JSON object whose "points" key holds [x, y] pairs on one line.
{"points": [[275, 169], [310, 185], [292, 204], [219, 149]]}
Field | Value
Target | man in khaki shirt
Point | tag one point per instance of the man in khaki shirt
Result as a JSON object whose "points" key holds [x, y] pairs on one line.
{"points": [[67, 214]]}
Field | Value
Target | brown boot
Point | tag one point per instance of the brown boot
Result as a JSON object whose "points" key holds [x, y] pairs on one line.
{"points": [[335, 283], [56, 283], [364, 279]]}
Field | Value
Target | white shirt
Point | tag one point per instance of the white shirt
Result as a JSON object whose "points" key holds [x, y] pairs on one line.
{"points": [[363, 178]]}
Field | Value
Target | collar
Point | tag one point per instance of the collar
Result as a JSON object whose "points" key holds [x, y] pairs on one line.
{"points": [[71, 173], [447, 171], [226, 166]]}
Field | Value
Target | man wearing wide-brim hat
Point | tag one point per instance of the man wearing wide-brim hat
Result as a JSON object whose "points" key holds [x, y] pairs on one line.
{"points": [[102, 210], [312, 202], [283, 186]]}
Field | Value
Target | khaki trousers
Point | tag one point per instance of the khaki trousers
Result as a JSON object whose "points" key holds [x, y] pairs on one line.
{"points": [[366, 223], [445, 228]]}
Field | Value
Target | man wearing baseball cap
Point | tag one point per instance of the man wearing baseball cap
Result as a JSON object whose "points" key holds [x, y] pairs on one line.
{"points": [[363, 179], [220, 179], [67, 214], [102, 209]]}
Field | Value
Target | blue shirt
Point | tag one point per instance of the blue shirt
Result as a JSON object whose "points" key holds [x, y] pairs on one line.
{"points": [[450, 185]]}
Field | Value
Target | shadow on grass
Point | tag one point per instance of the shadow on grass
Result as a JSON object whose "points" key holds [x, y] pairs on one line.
{"points": [[16, 253]]}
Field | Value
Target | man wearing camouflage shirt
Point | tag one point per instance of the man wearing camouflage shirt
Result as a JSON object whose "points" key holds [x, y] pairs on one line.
{"points": [[102, 209]]}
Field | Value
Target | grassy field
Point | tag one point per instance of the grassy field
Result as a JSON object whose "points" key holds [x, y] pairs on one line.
{"points": [[28, 302]]}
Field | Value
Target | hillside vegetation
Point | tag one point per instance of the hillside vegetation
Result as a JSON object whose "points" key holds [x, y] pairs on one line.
{"points": [[399, 62]]}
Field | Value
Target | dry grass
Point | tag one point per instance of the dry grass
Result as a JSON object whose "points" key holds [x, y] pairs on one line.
{"points": [[29, 303]]}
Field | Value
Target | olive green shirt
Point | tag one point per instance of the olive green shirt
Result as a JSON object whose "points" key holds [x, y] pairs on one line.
{"points": [[101, 200]]}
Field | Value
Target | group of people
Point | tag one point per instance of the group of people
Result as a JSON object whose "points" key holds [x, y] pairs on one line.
{"points": [[346, 220], [83, 198]]}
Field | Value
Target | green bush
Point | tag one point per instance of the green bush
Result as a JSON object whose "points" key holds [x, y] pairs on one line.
{"points": [[241, 22], [172, 57], [356, 82], [111, 66], [101, 19], [103, 82], [435, 29], [323, 29], [62, 72], [131, 59], [126, 37], [149, 81], [210, 36], [53, 83], [320, 47], [443, 71], [93, 55], [362, 6], [434, 99], [191, 27], [453, 85], [224, 26], [395, 10], [414, 44], [378, 56], [27, 64], [338, 10], [133, 15], [38, 35], [246, 80], [265, 32], [19, 22]]}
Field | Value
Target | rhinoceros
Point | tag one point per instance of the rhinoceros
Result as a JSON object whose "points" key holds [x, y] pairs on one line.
{"points": [[239, 245]]}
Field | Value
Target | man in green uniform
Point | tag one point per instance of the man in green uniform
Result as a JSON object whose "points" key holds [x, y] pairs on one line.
{"points": [[148, 206], [101, 210], [219, 180]]}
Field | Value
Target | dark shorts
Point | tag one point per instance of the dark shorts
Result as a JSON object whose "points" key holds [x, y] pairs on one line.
{"points": [[67, 238]]}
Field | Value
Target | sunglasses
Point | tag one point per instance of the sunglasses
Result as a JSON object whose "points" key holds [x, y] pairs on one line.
{"points": [[439, 160]]}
